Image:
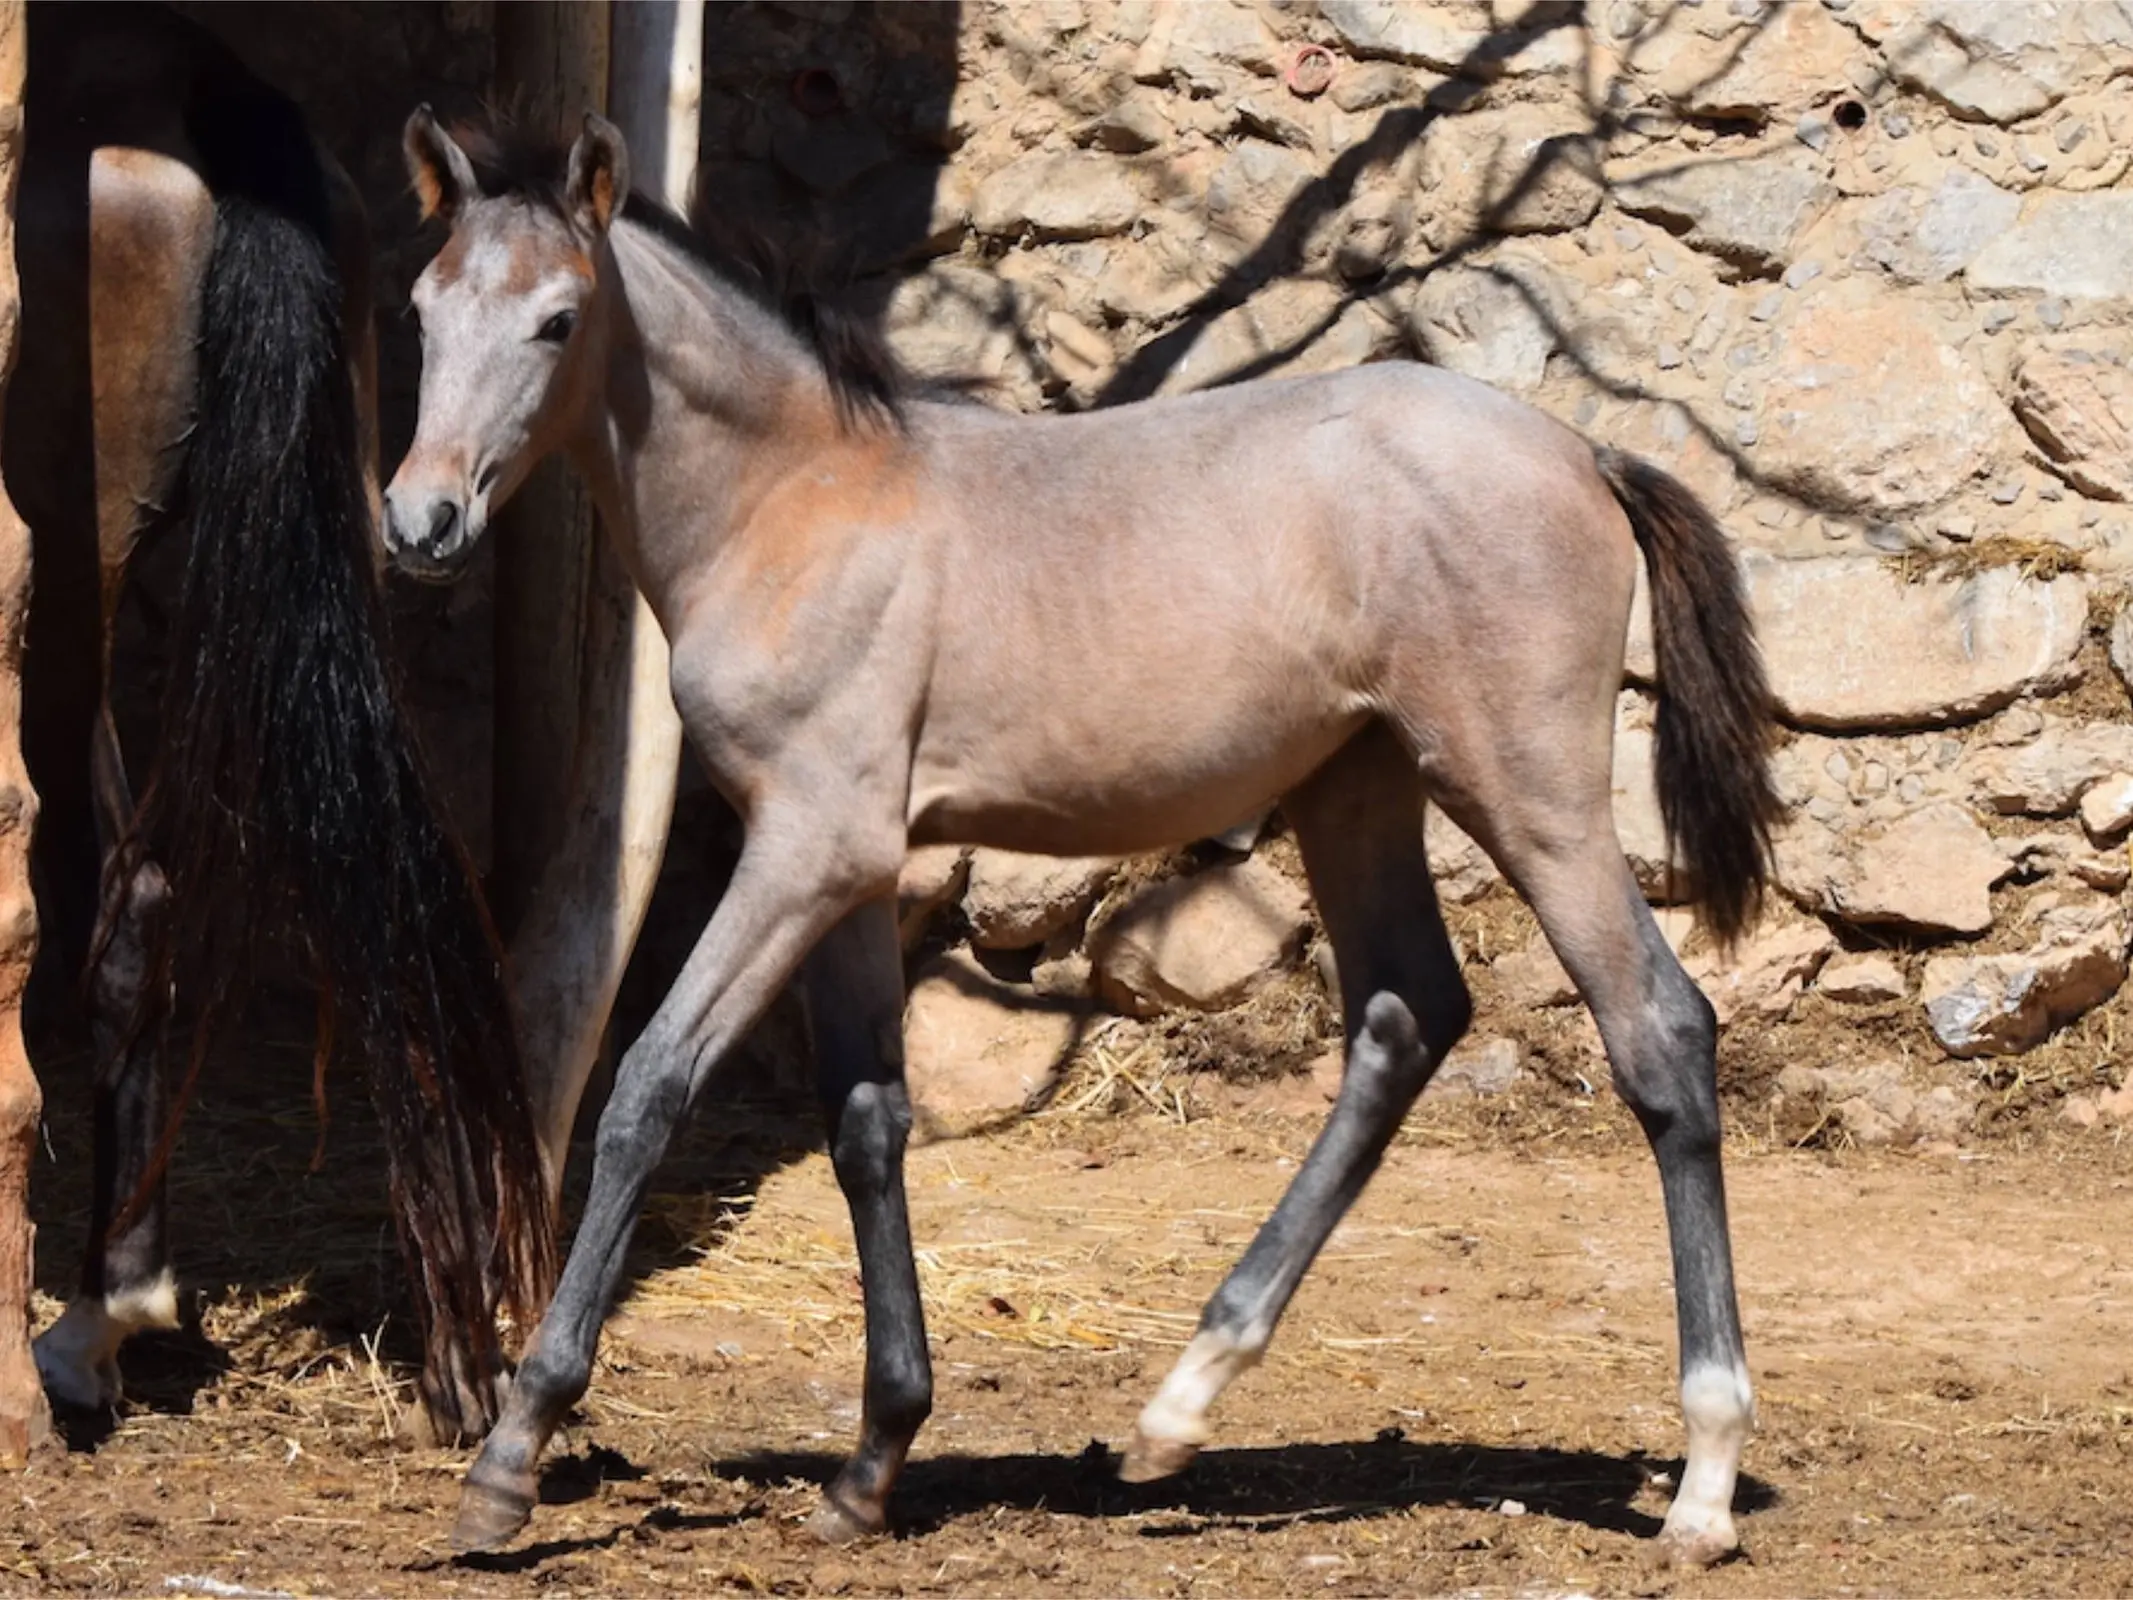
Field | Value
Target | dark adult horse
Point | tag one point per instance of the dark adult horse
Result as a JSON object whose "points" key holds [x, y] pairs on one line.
{"points": [[196, 351], [898, 623]]}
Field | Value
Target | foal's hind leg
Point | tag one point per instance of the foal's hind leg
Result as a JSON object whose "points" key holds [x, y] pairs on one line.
{"points": [[855, 1001], [1661, 1039], [1359, 820]]}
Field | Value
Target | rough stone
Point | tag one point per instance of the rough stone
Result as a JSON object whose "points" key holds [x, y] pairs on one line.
{"points": [[1531, 977], [1827, 431], [1746, 210], [1455, 40], [1638, 821], [1850, 645], [976, 1049], [1478, 1066], [1997, 62], [1014, 901], [2005, 1004], [1525, 169], [2078, 406], [1776, 63], [2074, 246], [1862, 980], [1918, 236], [2107, 808], [1488, 322], [932, 877], [1068, 195], [1199, 943], [2047, 776], [1875, 1105], [1764, 974], [1462, 869], [1932, 870], [1249, 191], [2122, 646]]}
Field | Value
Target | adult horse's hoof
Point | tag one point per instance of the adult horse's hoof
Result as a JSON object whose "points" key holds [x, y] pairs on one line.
{"points": [[836, 1521], [491, 1513], [77, 1371], [1149, 1459]]}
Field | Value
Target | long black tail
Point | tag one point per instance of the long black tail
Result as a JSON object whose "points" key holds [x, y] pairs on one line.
{"points": [[1714, 719], [288, 796]]}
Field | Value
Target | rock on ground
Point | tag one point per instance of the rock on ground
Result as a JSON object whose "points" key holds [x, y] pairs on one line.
{"points": [[1875, 1105], [1198, 943], [976, 1049], [1861, 980], [2005, 1004], [1014, 900], [932, 877]]}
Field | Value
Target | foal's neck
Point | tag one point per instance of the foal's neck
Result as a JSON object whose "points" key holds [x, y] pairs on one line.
{"points": [[710, 400]]}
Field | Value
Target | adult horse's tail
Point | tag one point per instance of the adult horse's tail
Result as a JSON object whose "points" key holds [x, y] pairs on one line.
{"points": [[1714, 719], [287, 795]]}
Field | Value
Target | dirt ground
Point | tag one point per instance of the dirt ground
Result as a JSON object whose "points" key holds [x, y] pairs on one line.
{"points": [[1472, 1394]]}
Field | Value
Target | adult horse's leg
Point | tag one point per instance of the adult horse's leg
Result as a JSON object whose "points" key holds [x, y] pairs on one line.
{"points": [[151, 227], [793, 884], [126, 1283], [855, 1003], [1661, 1038], [1359, 820]]}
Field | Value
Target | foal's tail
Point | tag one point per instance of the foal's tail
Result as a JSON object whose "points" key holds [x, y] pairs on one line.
{"points": [[1714, 719], [287, 796]]}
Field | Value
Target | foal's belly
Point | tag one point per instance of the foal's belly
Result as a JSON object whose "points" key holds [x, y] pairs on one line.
{"points": [[1081, 775]]}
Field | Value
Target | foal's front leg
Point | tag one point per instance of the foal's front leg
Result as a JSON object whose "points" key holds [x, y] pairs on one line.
{"points": [[855, 1003], [791, 886]]}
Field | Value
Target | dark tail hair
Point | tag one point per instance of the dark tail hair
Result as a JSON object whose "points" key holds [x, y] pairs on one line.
{"points": [[1715, 717], [287, 795]]}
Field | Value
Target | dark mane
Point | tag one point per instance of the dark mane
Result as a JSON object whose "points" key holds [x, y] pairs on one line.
{"points": [[865, 381]]}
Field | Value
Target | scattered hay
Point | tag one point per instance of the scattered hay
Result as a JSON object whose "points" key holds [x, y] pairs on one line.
{"points": [[2039, 560]]}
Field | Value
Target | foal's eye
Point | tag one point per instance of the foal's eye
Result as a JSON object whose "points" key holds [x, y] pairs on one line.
{"points": [[556, 330]]}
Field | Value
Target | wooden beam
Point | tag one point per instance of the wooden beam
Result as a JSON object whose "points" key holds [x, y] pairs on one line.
{"points": [[25, 1420], [551, 68]]}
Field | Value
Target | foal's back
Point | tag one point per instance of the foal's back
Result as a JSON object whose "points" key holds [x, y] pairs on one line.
{"points": [[1157, 617]]}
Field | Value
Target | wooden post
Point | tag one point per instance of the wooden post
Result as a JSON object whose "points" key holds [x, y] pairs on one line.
{"points": [[25, 1420], [551, 68], [574, 938]]}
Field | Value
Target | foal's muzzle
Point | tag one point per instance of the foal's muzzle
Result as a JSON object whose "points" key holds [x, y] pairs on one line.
{"points": [[427, 535]]}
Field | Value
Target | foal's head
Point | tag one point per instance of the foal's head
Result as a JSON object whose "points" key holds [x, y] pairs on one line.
{"points": [[513, 334]]}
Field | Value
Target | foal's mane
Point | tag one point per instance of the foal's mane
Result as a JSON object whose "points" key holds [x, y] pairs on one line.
{"points": [[865, 381]]}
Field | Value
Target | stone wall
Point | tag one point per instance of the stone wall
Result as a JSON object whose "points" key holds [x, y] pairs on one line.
{"points": [[1859, 271]]}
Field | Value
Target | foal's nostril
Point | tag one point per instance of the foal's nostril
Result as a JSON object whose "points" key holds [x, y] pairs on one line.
{"points": [[444, 517], [489, 475]]}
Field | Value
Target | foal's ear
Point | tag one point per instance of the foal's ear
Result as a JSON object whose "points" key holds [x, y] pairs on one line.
{"points": [[599, 175], [442, 174]]}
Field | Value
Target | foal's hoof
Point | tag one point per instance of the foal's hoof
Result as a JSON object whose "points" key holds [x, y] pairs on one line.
{"points": [[490, 1514], [1694, 1549], [1149, 1459], [836, 1521]]}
